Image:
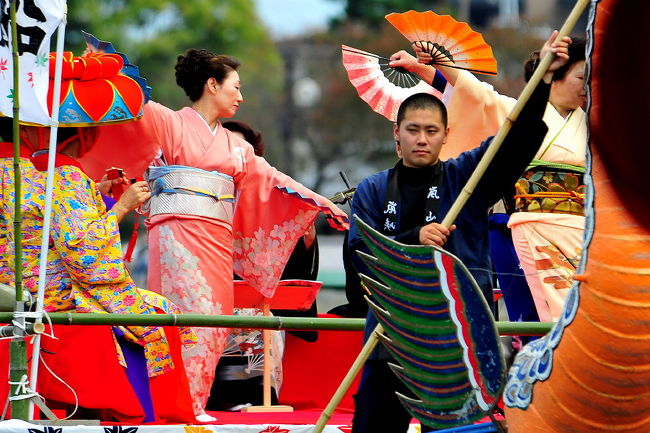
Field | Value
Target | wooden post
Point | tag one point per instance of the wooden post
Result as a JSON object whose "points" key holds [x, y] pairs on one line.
{"points": [[266, 382]]}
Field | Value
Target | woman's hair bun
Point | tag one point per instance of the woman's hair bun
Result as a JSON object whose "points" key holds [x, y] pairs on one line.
{"points": [[196, 66]]}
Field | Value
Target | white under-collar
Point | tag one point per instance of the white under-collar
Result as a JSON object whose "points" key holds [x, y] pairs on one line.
{"points": [[216, 127]]}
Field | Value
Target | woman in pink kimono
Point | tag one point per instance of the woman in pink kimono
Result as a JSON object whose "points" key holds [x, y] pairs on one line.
{"points": [[215, 205], [548, 220]]}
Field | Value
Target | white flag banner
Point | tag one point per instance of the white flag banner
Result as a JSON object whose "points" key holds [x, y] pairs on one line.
{"points": [[37, 21]]}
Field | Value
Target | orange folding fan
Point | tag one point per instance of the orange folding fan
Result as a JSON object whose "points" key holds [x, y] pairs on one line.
{"points": [[379, 85], [449, 42]]}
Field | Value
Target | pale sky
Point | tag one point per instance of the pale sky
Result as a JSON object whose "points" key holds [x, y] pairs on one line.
{"points": [[291, 17]]}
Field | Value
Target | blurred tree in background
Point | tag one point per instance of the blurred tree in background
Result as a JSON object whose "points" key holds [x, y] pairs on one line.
{"points": [[373, 12], [152, 33]]}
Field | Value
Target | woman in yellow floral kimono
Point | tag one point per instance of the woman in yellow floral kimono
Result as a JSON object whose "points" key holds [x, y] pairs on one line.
{"points": [[85, 274], [117, 370]]}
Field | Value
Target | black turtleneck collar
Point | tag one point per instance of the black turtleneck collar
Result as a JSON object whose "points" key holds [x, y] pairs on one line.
{"points": [[417, 176]]}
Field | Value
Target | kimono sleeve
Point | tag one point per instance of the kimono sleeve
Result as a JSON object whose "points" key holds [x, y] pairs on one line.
{"points": [[84, 234], [130, 146], [262, 177], [516, 151], [273, 211], [475, 112]]}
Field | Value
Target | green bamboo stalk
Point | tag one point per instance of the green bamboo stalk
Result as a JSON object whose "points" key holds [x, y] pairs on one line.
{"points": [[254, 322], [18, 249], [18, 370], [18, 347]]}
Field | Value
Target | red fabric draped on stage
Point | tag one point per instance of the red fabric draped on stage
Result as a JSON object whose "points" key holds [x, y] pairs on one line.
{"points": [[313, 371]]}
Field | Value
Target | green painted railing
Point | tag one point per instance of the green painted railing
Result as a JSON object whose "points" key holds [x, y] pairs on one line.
{"points": [[256, 322]]}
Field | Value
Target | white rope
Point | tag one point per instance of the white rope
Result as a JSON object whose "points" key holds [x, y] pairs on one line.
{"points": [[23, 391], [76, 398], [37, 315]]}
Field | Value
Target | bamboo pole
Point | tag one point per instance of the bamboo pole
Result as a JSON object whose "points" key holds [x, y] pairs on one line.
{"points": [[18, 248], [255, 322], [201, 320], [483, 164], [18, 346], [485, 161], [30, 329]]}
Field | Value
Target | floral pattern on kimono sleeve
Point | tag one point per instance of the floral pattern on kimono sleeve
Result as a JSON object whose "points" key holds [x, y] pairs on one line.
{"points": [[269, 222], [85, 234], [260, 259]]}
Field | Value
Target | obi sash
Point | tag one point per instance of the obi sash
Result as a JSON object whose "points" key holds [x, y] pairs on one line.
{"points": [[551, 188], [177, 189]]}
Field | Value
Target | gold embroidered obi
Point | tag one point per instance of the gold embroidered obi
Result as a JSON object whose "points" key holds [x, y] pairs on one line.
{"points": [[551, 188]]}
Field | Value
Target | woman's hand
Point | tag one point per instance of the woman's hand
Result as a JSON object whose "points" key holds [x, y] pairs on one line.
{"points": [[561, 51], [310, 236], [104, 185], [133, 197]]}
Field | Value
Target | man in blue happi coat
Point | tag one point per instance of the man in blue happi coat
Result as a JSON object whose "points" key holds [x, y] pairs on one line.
{"points": [[407, 203]]}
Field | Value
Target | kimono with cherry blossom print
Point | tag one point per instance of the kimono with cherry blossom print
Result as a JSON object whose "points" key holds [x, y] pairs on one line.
{"points": [[191, 257]]}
